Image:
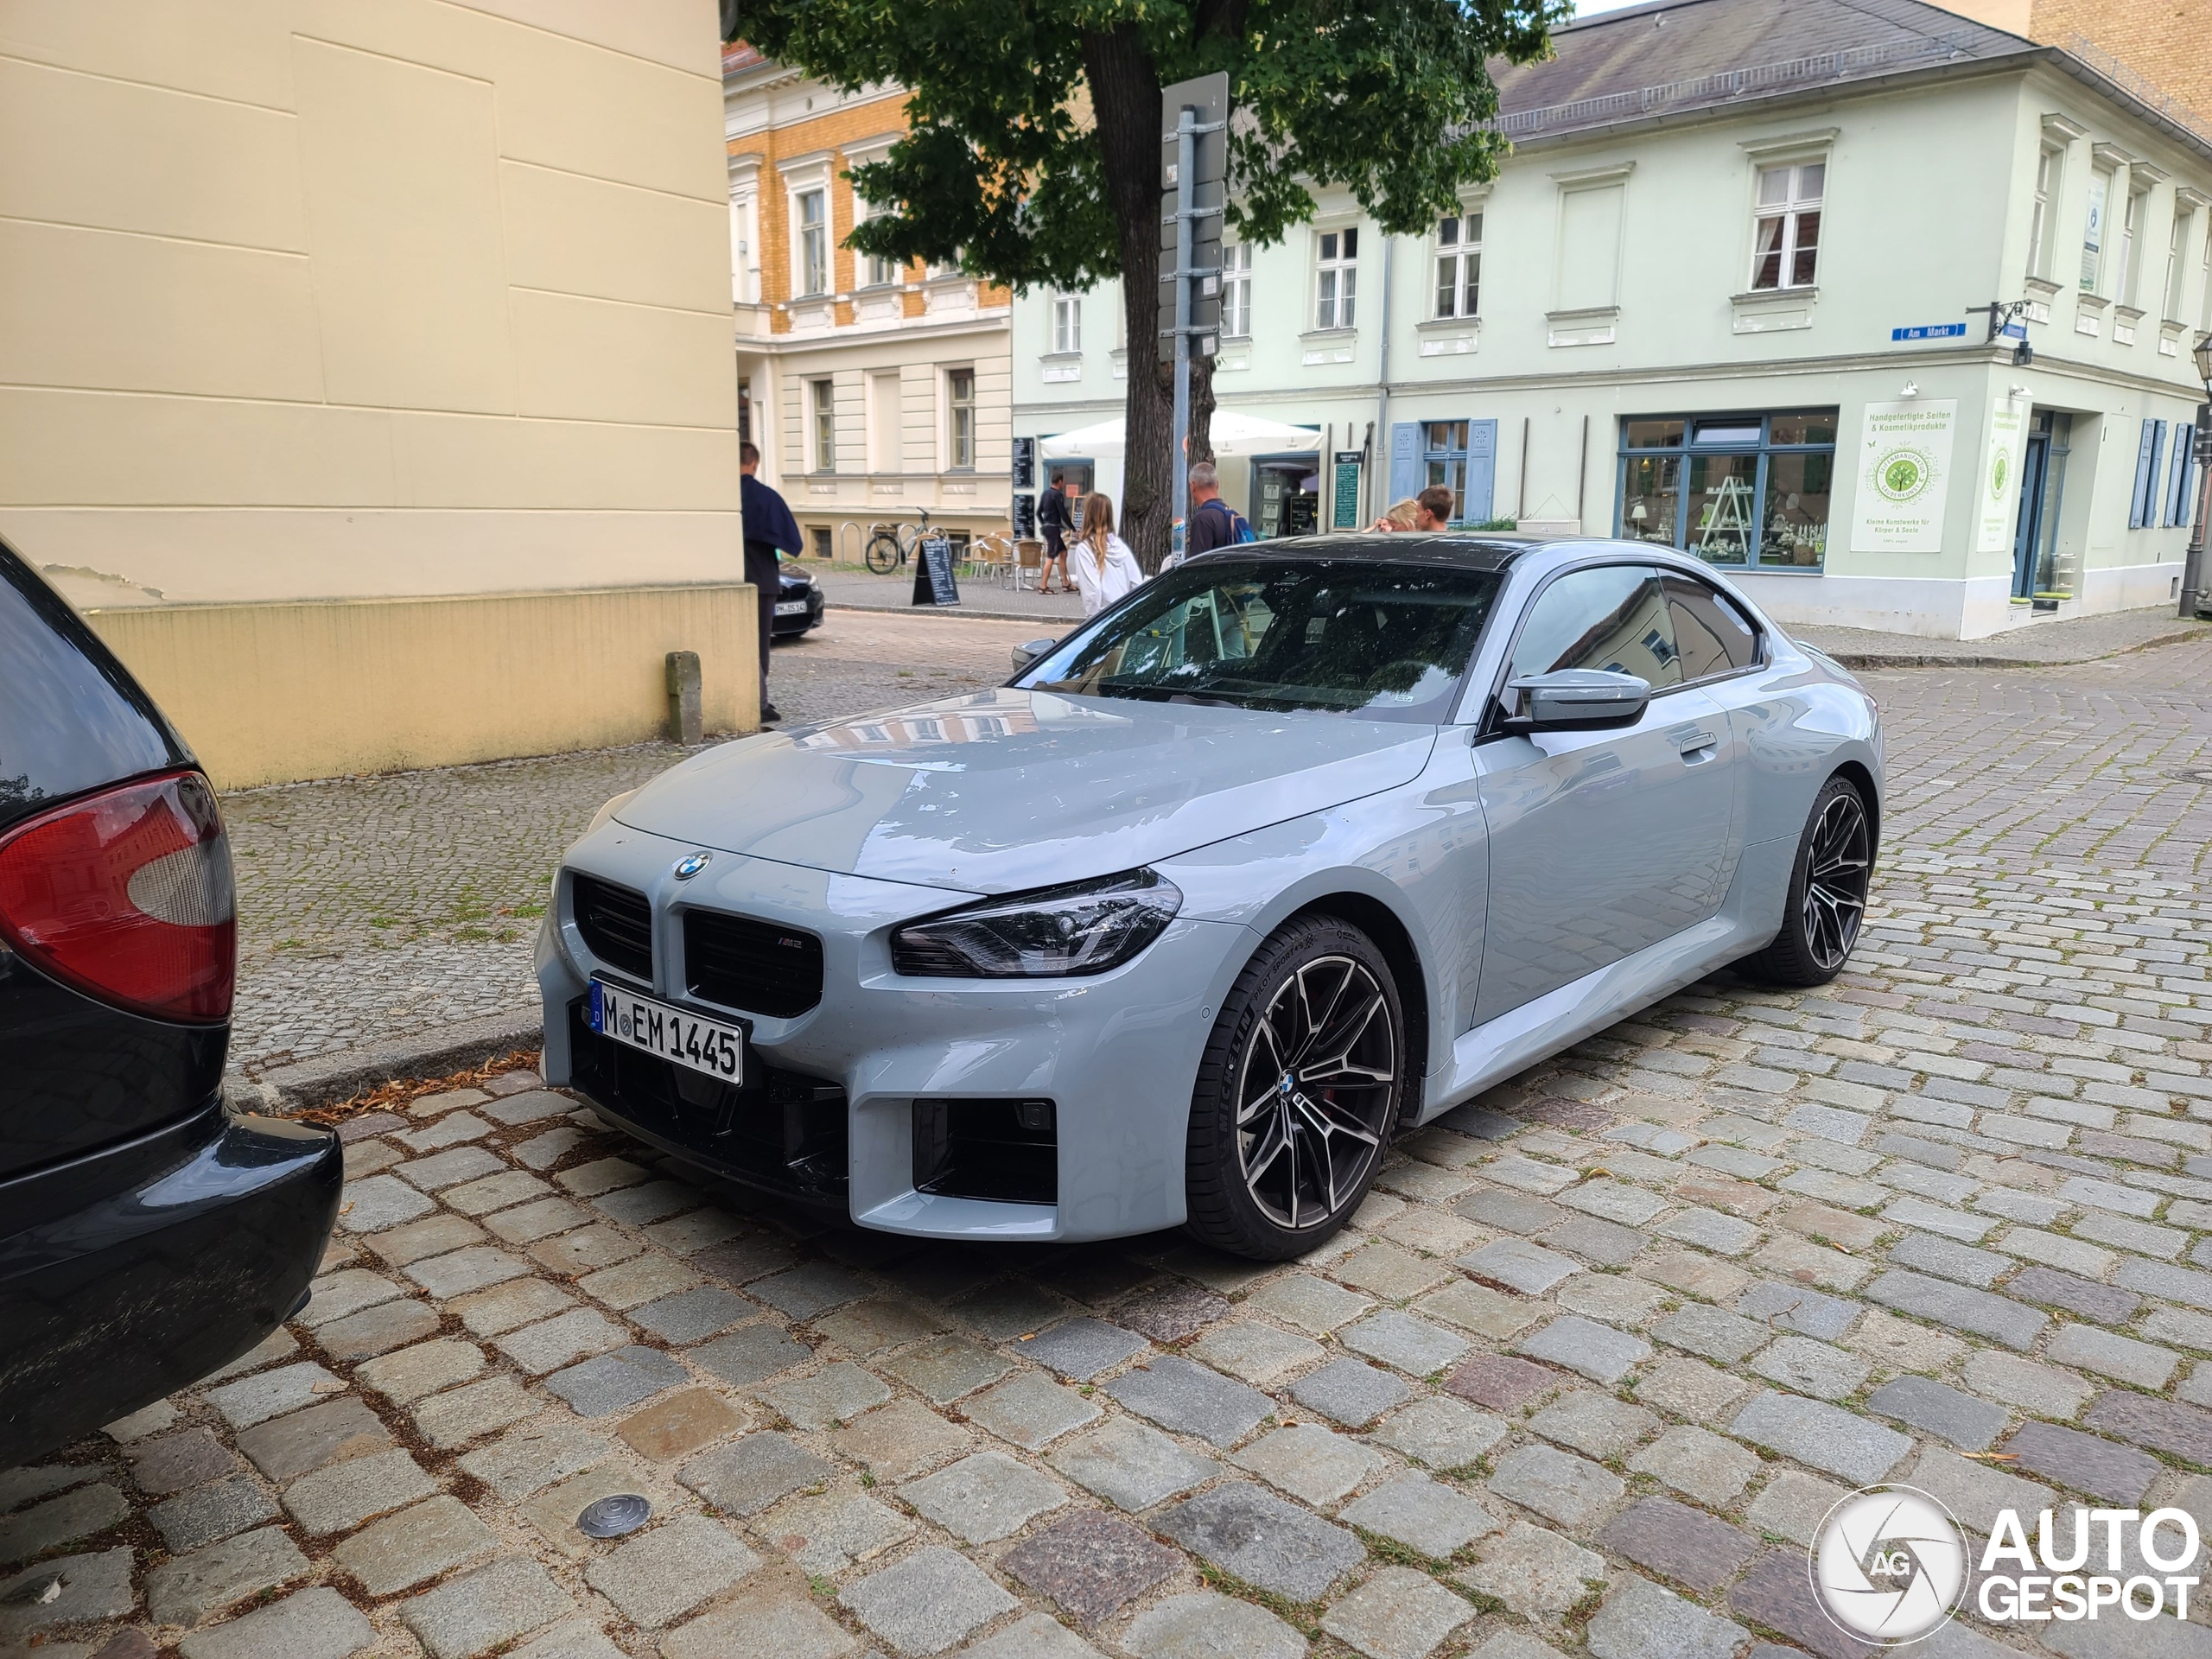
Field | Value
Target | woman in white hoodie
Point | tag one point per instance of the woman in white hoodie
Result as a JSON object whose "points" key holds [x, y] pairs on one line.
{"points": [[1101, 561]]}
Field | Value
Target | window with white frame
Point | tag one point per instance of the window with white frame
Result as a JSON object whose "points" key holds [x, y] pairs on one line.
{"points": [[1236, 291], [1786, 231], [1336, 277], [1458, 263], [823, 395], [2093, 230], [960, 417], [2049, 167], [879, 272], [2127, 270], [813, 242], [744, 270], [2177, 261], [1067, 322]]}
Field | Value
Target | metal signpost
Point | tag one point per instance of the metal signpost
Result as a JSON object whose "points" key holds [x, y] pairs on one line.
{"points": [[1194, 183]]}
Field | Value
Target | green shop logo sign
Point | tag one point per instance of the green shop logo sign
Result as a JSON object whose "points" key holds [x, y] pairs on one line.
{"points": [[1904, 474], [1999, 470]]}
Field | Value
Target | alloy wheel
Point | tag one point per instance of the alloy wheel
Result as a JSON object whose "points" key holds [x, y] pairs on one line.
{"points": [[1316, 1087], [1835, 881]]}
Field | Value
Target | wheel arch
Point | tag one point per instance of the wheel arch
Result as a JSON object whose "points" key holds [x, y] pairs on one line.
{"points": [[1395, 940], [1856, 773]]}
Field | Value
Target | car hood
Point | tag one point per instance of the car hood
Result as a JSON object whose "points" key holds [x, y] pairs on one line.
{"points": [[1000, 791]]}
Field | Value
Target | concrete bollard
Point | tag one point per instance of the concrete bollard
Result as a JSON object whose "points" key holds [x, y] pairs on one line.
{"points": [[685, 723]]}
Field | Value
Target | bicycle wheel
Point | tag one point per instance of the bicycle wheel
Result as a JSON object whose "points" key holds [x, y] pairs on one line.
{"points": [[883, 554]]}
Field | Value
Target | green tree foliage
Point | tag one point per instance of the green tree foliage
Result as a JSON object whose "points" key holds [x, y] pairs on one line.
{"points": [[1031, 154]]}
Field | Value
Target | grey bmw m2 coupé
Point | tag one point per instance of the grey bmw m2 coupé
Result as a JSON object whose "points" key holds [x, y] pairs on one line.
{"points": [[1296, 847]]}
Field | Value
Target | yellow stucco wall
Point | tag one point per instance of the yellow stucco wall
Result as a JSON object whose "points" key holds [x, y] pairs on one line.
{"points": [[274, 693], [315, 300]]}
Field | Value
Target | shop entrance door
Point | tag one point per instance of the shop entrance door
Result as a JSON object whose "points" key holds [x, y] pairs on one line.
{"points": [[2036, 579], [1285, 496]]}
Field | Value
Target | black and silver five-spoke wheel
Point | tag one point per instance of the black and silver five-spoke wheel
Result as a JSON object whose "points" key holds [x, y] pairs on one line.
{"points": [[1828, 893], [1302, 1084]]}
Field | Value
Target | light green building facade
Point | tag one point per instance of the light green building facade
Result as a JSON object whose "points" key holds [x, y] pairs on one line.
{"points": [[1722, 295]]}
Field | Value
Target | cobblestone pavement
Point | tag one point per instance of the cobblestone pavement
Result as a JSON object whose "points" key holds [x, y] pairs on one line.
{"points": [[2077, 639], [1591, 1364], [372, 906], [845, 584]]}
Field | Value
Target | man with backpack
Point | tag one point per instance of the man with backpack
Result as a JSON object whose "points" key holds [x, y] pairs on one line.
{"points": [[1214, 522]]}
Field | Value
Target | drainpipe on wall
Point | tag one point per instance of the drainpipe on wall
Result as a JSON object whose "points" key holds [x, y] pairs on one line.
{"points": [[1382, 380]]}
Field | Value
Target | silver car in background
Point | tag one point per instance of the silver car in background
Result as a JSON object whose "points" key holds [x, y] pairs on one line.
{"points": [[1299, 847]]}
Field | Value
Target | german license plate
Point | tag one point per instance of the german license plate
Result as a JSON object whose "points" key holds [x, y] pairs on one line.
{"points": [[791, 608], [677, 1035]]}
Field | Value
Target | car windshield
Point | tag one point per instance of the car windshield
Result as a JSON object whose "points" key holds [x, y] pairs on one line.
{"points": [[1350, 635]]}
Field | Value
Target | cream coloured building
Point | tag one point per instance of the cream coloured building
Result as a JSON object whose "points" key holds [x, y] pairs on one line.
{"points": [[365, 368], [873, 389]]}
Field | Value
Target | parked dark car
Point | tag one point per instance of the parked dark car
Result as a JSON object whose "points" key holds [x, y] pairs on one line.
{"points": [[799, 600], [148, 1233]]}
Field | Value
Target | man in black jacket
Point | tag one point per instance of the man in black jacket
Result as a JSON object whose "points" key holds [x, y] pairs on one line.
{"points": [[1212, 525], [1054, 520], [768, 526]]}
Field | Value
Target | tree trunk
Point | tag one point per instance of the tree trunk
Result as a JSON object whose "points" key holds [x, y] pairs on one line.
{"points": [[1125, 97], [1201, 410]]}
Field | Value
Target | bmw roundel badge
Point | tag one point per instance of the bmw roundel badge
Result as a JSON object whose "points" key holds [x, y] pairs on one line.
{"points": [[689, 867]]}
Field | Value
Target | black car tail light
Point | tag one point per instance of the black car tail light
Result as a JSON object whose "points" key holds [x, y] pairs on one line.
{"points": [[127, 895], [617, 924], [756, 966]]}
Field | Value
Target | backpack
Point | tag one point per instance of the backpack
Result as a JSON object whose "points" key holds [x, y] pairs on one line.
{"points": [[1240, 530]]}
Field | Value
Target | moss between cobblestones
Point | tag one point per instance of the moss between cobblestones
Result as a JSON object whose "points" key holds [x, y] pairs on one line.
{"points": [[1304, 1617]]}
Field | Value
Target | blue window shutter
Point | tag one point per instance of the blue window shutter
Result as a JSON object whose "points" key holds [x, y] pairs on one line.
{"points": [[1405, 459], [2177, 503], [2151, 514], [2139, 504], [1482, 471]]}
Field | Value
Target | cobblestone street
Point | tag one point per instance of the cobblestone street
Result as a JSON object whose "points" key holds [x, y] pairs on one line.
{"points": [[1593, 1361], [372, 907]]}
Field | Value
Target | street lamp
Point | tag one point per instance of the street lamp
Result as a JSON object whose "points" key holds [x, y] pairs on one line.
{"points": [[2192, 579]]}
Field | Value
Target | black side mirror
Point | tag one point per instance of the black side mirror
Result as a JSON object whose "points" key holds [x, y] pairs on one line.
{"points": [[1030, 650], [1578, 699]]}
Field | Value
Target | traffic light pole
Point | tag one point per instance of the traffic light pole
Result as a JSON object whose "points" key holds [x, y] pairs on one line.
{"points": [[2193, 597], [1186, 152], [1198, 110]]}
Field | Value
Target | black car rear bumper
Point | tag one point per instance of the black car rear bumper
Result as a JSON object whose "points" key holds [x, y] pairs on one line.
{"points": [[115, 1291]]}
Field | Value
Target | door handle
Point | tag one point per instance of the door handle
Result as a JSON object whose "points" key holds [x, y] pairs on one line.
{"points": [[1696, 748]]}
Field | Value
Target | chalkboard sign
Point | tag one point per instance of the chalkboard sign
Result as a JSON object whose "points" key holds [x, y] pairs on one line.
{"points": [[934, 583], [1024, 463], [1345, 513], [1025, 516]]}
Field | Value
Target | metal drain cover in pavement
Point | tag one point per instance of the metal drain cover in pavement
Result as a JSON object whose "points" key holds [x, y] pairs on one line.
{"points": [[610, 1517], [2192, 774]]}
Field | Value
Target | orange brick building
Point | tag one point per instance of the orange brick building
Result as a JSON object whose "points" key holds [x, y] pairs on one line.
{"points": [[2167, 43], [873, 389]]}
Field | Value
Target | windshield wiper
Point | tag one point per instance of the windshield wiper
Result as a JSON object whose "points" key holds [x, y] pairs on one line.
{"points": [[1201, 697]]}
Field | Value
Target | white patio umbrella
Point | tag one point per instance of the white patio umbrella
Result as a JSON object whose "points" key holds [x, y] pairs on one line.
{"points": [[1234, 433]]}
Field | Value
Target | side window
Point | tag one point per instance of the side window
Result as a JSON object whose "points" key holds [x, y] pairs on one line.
{"points": [[1613, 616], [1712, 635]]}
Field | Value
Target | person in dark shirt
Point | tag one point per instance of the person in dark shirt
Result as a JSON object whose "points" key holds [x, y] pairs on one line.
{"points": [[768, 526], [1212, 525], [1054, 520]]}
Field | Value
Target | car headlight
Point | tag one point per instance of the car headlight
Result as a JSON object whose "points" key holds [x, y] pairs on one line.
{"points": [[608, 812], [1055, 932]]}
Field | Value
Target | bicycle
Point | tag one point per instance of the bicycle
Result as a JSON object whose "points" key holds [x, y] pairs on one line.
{"points": [[891, 545]]}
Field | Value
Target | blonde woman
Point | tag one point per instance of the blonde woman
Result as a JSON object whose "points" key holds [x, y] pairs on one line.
{"points": [[1405, 516], [1101, 561]]}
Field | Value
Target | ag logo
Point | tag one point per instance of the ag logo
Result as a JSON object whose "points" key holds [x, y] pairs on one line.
{"points": [[1903, 473], [1888, 1565]]}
